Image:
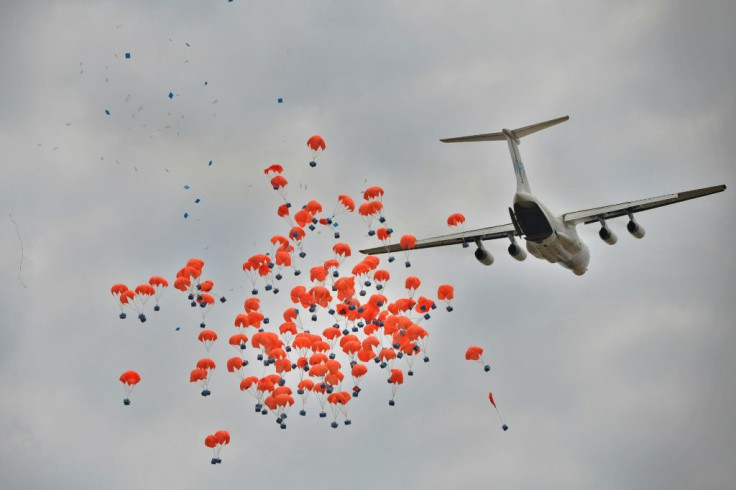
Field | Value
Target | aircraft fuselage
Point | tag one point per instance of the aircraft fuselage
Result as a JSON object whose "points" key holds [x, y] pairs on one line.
{"points": [[547, 237]]}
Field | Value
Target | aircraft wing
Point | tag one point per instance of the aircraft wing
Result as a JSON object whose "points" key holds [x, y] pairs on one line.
{"points": [[606, 212], [490, 233]]}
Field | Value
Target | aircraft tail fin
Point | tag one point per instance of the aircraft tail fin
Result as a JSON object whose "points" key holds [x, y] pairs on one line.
{"points": [[512, 137]]}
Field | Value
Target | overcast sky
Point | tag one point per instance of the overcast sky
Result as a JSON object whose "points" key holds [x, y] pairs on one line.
{"points": [[621, 378]]}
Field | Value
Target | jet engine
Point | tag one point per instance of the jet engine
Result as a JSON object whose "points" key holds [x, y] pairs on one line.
{"points": [[516, 251], [606, 234], [483, 255], [635, 228]]}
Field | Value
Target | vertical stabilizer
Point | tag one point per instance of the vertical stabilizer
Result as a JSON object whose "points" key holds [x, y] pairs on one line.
{"points": [[512, 137], [522, 183]]}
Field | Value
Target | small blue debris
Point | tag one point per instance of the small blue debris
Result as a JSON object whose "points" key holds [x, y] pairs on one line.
{"points": [[210, 164], [127, 56], [205, 82], [177, 329], [505, 427], [196, 201], [186, 215], [281, 100], [171, 95], [107, 111], [186, 187]]}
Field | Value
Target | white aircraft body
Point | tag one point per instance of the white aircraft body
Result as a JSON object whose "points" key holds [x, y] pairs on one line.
{"points": [[548, 236]]}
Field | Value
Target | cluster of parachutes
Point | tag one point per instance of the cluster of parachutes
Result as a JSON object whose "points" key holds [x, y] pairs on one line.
{"points": [[136, 299], [338, 324], [216, 441]]}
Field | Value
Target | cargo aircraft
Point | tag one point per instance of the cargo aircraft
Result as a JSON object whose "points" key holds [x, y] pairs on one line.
{"points": [[548, 236]]}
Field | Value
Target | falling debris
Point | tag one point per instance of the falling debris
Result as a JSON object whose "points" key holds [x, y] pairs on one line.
{"points": [[20, 265], [171, 95], [127, 56], [107, 111], [280, 100]]}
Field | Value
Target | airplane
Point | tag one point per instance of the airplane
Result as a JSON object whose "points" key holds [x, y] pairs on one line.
{"points": [[548, 236]]}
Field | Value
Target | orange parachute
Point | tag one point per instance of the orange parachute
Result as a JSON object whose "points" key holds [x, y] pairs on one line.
{"points": [[395, 380], [207, 337], [129, 380], [490, 398], [407, 243], [455, 219], [446, 293], [475, 353], [456, 222], [345, 204], [317, 144], [159, 284], [373, 192], [275, 168]]}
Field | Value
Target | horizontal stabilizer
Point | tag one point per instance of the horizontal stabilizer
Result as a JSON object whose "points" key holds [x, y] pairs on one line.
{"points": [[517, 133]]}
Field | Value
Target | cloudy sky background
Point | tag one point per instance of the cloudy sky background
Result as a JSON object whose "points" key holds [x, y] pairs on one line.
{"points": [[622, 378]]}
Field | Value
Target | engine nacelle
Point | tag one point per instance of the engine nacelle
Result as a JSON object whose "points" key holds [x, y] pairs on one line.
{"points": [[607, 235], [483, 255], [516, 251], [635, 229]]}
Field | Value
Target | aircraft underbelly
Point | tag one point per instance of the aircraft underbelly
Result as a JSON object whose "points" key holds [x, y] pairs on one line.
{"points": [[569, 252], [532, 221]]}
